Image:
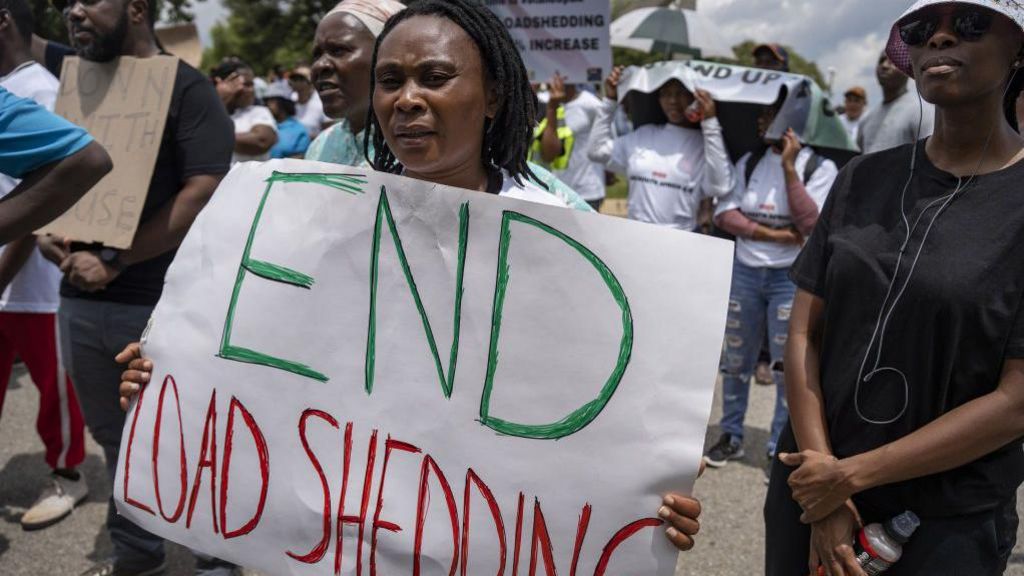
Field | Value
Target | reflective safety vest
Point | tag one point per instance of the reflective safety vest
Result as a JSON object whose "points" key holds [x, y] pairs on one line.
{"points": [[565, 135]]}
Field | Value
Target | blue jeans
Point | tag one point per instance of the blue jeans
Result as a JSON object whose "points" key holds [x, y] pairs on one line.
{"points": [[91, 334], [760, 298]]}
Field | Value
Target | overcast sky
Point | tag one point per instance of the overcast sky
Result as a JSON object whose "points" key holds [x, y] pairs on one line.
{"points": [[846, 35]]}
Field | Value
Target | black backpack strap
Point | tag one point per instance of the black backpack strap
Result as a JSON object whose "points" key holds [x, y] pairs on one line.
{"points": [[752, 161], [812, 165]]}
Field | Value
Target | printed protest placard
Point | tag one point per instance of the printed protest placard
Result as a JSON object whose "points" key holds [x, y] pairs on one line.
{"points": [[569, 37], [726, 82], [362, 373], [123, 104]]}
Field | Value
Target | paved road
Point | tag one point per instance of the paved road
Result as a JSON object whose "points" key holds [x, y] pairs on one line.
{"points": [[730, 543]]}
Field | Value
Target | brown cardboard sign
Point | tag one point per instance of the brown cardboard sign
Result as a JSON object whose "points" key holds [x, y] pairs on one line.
{"points": [[182, 40], [123, 104]]}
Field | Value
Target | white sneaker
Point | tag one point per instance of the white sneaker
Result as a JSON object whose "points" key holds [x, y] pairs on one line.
{"points": [[55, 503]]}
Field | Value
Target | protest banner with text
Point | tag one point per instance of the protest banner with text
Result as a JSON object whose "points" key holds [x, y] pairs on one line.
{"points": [[568, 37], [123, 104], [360, 373], [804, 107]]}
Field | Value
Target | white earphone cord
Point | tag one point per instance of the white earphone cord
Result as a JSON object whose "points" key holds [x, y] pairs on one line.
{"points": [[883, 317]]}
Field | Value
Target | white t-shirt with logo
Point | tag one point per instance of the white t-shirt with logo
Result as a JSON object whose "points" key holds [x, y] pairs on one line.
{"points": [[245, 119], [36, 287], [582, 175], [670, 168], [765, 200], [311, 114]]}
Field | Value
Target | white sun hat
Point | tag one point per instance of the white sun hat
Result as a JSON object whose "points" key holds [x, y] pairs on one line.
{"points": [[898, 51]]}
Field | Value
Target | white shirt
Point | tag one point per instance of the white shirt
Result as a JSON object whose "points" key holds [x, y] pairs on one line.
{"points": [[765, 201], [528, 191], [259, 86], [582, 175], [667, 167], [245, 119], [852, 126], [36, 287], [311, 114]]}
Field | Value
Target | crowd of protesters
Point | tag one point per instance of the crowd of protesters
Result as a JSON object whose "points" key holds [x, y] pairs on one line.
{"points": [[911, 244]]}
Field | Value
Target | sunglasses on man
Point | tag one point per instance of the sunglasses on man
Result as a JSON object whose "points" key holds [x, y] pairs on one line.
{"points": [[970, 23]]}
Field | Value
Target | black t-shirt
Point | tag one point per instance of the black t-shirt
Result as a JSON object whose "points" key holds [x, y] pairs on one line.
{"points": [[198, 139], [958, 320]]}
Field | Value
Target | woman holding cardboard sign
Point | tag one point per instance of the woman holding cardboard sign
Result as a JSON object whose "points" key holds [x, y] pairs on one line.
{"points": [[342, 52], [451, 104]]}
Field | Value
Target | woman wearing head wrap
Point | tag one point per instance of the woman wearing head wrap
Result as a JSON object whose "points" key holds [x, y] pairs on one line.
{"points": [[905, 362], [341, 73]]}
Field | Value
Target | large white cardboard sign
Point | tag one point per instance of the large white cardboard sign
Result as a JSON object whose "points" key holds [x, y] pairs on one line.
{"points": [[360, 373], [569, 37]]}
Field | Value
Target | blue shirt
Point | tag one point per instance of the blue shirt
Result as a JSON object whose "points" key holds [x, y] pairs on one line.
{"points": [[32, 137], [292, 139]]}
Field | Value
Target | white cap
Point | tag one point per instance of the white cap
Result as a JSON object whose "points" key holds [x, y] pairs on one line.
{"points": [[899, 52]]}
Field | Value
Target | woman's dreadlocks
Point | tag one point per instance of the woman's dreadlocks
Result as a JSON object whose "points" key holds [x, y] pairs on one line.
{"points": [[507, 138]]}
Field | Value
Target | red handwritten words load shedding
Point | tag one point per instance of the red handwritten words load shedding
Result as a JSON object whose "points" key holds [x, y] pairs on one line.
{"points": [[506, 525]]}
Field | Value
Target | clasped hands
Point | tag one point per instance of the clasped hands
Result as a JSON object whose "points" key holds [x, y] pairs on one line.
{"points": [[821, 485], [83, 269]]}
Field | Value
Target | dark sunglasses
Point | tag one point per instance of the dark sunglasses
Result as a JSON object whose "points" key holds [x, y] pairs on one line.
{"points": [[969, 24]]}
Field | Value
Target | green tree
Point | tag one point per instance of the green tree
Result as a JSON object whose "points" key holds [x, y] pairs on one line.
{"points": [[797, 63], [630, 57], [265, 33], [177, 11], [48, 21]]}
